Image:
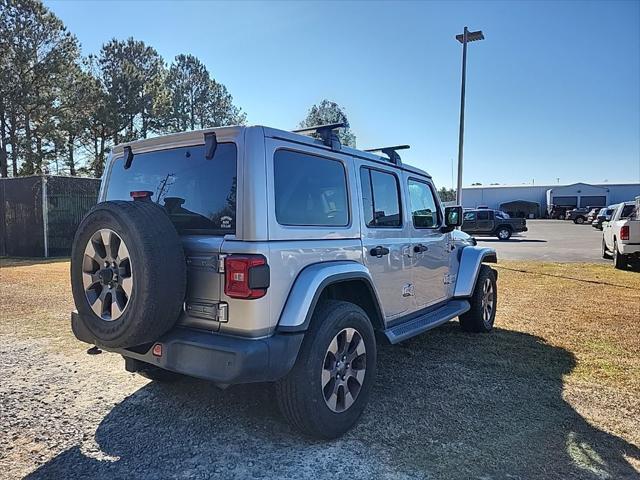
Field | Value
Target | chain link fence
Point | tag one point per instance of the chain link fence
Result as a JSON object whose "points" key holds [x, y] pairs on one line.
{"points": [[39, 214]]}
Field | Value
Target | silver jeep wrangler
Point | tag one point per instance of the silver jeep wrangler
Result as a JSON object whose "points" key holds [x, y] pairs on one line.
{"points": [[251, 254]]}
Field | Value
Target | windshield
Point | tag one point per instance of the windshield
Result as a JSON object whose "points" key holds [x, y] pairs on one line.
{"points": [[199, 195]]}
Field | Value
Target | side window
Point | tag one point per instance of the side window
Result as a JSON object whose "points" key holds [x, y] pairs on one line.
{"points": [[424, 209], [309, 190], [483, 215], [469, 216], [380, 198]]}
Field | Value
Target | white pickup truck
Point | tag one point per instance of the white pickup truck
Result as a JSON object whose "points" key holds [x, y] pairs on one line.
{"points": [[621, 235]]}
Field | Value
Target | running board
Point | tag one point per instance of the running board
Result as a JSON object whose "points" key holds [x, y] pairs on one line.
{"points": [[425, 322]]}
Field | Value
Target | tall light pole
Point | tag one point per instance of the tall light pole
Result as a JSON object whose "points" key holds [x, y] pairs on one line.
{"points": [[464, 38]]}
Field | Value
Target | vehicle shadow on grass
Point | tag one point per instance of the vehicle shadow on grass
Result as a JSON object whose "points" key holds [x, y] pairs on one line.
{"points": [[446, 405]]}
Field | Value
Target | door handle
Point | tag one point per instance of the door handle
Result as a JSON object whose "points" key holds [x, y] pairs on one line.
{"points": [[420, 248], [379, 251]]}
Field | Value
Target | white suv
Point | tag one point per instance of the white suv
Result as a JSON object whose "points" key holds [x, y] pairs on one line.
{"points": [[250, 254]]}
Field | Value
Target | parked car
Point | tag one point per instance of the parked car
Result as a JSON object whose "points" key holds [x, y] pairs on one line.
{"points": [[604, 215], [621, 235], [593, 213], [251, 254], [492, 223], [577, 215], [557, 212]]}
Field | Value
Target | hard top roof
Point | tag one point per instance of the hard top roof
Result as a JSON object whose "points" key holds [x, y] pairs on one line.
{"points": [[196, 137]]}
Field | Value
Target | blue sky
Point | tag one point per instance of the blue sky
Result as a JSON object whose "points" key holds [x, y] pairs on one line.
{"points": [[553, 91]]}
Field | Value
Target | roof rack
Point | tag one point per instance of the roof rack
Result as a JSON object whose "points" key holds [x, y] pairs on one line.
{"points": [[390, 152], [326, 133]]}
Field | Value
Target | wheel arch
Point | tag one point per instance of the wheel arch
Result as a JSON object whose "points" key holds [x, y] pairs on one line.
{"points": [[471, 258], [503, 225], [348, 281]]}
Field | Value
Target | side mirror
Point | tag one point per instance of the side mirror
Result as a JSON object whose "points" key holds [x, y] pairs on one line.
{"points": [[452, 217]]}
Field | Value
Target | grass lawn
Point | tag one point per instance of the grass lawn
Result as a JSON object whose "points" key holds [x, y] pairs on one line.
{"points": [[553, 392]]}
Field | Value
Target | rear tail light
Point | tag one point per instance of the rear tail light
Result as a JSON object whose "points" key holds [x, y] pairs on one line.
{"points": [[246, 276], [624, 232]]}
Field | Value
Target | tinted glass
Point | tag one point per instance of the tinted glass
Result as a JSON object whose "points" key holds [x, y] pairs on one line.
{"points": [[424, 210], [380, 197], [309, 190], [483, 215], [469, 216], [199, 195], [627, 210]]}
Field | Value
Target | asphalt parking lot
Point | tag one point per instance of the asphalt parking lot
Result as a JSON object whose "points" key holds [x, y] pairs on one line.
{"points": [[552, 241]]}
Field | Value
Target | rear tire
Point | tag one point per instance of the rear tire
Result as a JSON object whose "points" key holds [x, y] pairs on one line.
{"points": [[579, 220], [484, 301], [309, 396], [503, 233], [619, 260]]}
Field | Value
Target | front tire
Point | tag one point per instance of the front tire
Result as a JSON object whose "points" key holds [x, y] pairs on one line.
{"points": [[329, 386], [484, 301], [579, 220], [605, 253]]}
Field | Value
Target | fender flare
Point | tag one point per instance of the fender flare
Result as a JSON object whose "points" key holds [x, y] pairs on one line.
{"points": [[308, 286], [471, 259], [503, 225]]}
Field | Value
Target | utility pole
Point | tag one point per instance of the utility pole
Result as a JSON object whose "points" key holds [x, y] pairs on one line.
{"points": [[464, 38]]}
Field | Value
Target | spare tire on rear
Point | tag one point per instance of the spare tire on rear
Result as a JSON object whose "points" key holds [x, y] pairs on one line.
{"points": [[128, 273]]}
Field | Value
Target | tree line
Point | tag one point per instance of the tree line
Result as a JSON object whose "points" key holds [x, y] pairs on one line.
{"points": [[61, 112]]}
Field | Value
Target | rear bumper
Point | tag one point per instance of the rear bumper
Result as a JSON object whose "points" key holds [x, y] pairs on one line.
{"points": [[211, 356], [632, 249]]}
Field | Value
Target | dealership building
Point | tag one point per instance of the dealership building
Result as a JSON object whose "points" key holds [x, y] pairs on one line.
{"points": [[533, 201]]}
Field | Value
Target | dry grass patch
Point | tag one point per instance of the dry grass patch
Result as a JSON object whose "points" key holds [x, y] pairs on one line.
{"points": [[590, 310], [35, 300]]}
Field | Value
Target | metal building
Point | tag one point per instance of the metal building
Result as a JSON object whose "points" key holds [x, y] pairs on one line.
{"points": [[39, 214], [535, 200]]}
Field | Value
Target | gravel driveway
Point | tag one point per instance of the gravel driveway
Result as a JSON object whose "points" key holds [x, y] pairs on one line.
{"points": [[437, 411]]}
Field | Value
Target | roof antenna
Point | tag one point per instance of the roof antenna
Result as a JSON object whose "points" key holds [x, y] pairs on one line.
{"points": [[128, 157], [210, 145], [390, 152], [327, 133]]}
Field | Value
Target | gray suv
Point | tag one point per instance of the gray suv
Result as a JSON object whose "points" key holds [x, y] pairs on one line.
{"points": [[251, 254]]}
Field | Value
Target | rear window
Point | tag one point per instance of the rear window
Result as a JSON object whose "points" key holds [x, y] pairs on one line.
{"points": [[310, 190], [627, 211], [199, 195]]}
